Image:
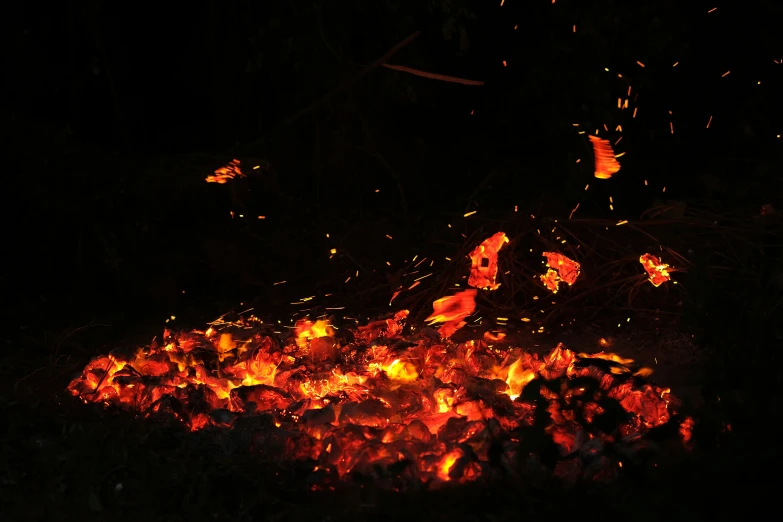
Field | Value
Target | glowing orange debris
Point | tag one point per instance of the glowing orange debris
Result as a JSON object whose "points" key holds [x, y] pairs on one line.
{"points": [[224, 174], [307, 330], [485, 262], [561, 268], [656, 270], [451, 310], [567, 269], [605, 163], [551, 281]]}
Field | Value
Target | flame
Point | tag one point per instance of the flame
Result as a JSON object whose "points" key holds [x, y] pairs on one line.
{"points": [[561, 268], [307, 330], [518, 378], [657, 271], [605, 163], [401, 371], [224, 174], [447, 462], [451, 310], [484, 269]]}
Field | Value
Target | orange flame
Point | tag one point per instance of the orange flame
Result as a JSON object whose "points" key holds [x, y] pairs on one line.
{"points": [[485, 262], [605, 163], [451, 310], [224, 174], [657, 271], [306, 330]]}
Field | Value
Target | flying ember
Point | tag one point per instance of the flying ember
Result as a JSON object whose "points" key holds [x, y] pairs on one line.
{"points": [[451, 310], [657, 271], [484, 258], [561, 268], [224, 174], [605, 163]]}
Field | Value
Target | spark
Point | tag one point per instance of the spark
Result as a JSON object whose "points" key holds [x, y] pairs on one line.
{"points": [[470, 213]]}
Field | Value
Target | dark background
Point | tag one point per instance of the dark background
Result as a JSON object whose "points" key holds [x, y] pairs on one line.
{"points": [[115, 113]]}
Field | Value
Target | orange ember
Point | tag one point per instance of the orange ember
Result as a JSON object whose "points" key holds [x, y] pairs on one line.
{"points": [[657, 271], [433, 410], [484, 257], [224, 174], [561, 268], [605, 162], [551, 280], [451, 310]]}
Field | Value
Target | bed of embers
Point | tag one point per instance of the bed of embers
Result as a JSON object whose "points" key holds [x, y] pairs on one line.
{"points": [[396, 403]]}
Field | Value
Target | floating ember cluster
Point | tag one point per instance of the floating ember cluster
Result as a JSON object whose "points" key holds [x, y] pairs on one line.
{"points": [[227, 173]]}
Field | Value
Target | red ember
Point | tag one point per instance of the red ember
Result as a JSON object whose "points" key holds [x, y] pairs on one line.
{"points": [[656, 270], [451, 310], [484, 257], [561, 268]]}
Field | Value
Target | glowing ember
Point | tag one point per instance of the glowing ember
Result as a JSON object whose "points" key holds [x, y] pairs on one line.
{"points": [[224, 174], [561, 268], [551, 280], [484, 269], [605, 163], [451, 310], [657, 271], [434, 411]]}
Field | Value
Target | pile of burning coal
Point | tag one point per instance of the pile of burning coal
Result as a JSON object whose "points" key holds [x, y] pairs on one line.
{"points": [[372, 400]]}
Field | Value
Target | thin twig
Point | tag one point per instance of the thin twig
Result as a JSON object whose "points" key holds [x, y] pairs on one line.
{"points": [[432, 76], [377, 63]]}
